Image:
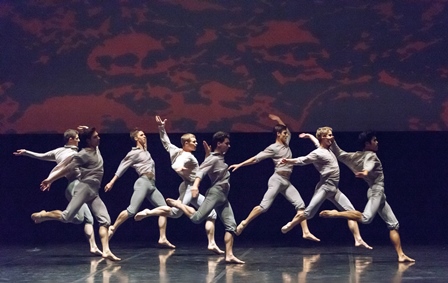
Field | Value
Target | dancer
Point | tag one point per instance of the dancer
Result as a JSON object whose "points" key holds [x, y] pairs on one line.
{"points": [[186, 166], [279, 181], [216, 196], [89, 163], [326, 163], [144, 187], [62, 156], [366, 165]]}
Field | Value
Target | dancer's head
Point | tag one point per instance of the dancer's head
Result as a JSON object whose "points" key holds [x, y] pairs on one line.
{"points": [[71, 137], [367, 141], [188, 142], [139, 137], [88, 136], [282, 133], [221, 142], [325, 136]]}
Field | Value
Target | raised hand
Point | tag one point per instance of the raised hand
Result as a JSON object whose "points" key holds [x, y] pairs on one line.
{"points": [[207, 148], [159, 121]]}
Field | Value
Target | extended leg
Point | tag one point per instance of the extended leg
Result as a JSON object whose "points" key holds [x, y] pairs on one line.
{"points": [[210, 230], [163, 241], [256, 211], [88, 231], [39, 217], [354, 228], [122, 217], [230, 258], [395, 239]]}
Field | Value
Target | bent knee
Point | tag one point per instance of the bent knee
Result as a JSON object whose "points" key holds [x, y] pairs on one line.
{"points": [[262, 209], [393, 226], [366, 219]]}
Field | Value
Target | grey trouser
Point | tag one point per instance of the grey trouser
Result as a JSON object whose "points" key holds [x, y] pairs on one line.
{"points": [[84, 193], [279, 184], [216, 199], [331, 193], [377, 203], [84, 213], [186, 198], [145, 188]]}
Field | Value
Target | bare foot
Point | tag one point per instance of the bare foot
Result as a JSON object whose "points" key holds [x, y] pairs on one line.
{"points": [[286, 228], [362, 244], [96, 251], [165, 244], [111, 231], [173, 202], [240, 227], [405, 258], [328, 213], [233, 259], [214, 248], [37, 216], [111, 256], [309, 236], [142, 214]]}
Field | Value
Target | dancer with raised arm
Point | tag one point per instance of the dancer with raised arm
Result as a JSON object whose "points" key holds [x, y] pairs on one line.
{"points": [[326, 163], [366, 165], [62, 156], [89, 163], [186, 166], [279, 181], [216, 197], [144, 187]]}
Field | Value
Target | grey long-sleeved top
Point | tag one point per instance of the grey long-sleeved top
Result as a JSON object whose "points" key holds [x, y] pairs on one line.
{"points": [[324, 160], [362, 160], [216, 169], [89, 163], [179, 158], [140, 160], [61, 155], [277, 151]]}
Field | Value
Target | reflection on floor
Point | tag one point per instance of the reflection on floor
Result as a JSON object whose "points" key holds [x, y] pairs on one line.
{"points": [[193, 263]]}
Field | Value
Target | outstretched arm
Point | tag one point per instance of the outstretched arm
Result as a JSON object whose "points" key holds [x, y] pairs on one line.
{"points": [[162, 132], [277, 119], [311, 137], [249, 161], [47, 156], [57, 174]]}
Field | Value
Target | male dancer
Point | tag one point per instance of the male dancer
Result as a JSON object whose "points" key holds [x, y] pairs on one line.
{"points": [[366, 165], [61, 156], [89, 163], [216, 196], [279, 181], [186, 166], [326, 163], [144, 187]]}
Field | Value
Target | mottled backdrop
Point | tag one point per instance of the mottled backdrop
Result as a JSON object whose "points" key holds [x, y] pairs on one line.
{"points": [[209, 65]]}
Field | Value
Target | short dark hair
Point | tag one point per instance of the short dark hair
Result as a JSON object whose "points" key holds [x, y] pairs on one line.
{"points": [[219, 137], [364, 137], [85, 134], [68, 134], [279, 128], [133, 133]]}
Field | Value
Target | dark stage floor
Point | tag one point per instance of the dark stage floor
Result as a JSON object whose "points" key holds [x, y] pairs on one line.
{"points": [[264, 263]]}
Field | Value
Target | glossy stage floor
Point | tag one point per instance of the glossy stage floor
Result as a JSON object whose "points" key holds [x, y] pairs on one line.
{"points": [[193, 263]]}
